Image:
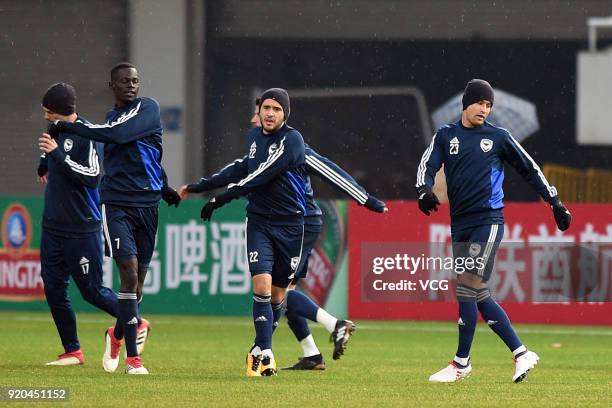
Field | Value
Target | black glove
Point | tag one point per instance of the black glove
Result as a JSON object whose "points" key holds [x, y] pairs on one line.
{"points": [[427, 200], [55, 129], [214, 203], [170, 196], [563, 218], [43, 167], [374, 204], [42, 170]]}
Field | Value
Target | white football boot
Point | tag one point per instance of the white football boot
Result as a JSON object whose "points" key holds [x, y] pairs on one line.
{"points": [[523, 364], [451, 373], [134, 366]]}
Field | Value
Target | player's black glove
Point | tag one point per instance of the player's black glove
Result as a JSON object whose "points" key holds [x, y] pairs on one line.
{"points": [[563, 218], [55, 129], [374, 204], [42, 170], [214, 203], [427, 200], [43, 167], [170, 196]]}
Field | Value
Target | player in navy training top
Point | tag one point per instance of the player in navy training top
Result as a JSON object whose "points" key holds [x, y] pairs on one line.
{"points": [[71, 243], [133, 184], [276, 184], [473, 152], [299, 306]]}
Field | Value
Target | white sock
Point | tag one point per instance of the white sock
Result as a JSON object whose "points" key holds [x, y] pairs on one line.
{"points": [[309, 347], [326, 320], [462, 360], [267, 353], [256, 351], [519, 351]]}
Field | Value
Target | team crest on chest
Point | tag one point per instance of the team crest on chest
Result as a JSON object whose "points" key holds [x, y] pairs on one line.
{"points": [[486, 145], [454, 146], [273, 147], [252, 150], [68, 143]]}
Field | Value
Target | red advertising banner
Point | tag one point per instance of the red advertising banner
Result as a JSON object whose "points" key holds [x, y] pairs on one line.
{"points": [[541, 275], [19, 262]]}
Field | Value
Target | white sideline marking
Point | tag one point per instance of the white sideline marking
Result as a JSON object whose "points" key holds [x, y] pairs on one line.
{"points": [[362, 326]]}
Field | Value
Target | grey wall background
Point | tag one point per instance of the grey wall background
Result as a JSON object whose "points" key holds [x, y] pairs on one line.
{"points": [[405, 19], [43, 42], [527, 47]]}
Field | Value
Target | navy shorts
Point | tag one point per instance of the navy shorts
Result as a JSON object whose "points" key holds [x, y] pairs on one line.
{"points": [[478, 244], [274, 249], [62, 257], [311, 235], [130, 231]]}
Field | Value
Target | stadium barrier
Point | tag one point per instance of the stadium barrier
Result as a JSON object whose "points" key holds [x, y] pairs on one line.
{"points": [[541, 274], [197, 268], [200, 268]]}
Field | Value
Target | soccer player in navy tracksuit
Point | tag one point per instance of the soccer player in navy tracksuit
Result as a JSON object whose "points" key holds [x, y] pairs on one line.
{"points": [[299, 306], [275, 181], [132, 186], [71, 244], [473, 152]]}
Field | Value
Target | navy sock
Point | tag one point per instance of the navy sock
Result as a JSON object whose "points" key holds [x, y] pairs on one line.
{"points": [[468, 315], [497, 319], [301, 305], [298, 325], [139, 302], [128, 315], [263, 319], [277, 313], [119, 326], [118, 332]]}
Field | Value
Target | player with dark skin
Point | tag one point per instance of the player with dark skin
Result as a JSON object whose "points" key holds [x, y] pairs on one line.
{"points": [[133, 184], [125, 84]]}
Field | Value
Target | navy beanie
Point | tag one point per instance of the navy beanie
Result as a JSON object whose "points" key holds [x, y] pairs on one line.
{"points": [[60, 98], [279, 95], [477, 90]]}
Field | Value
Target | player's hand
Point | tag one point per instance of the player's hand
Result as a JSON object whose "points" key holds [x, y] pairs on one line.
{"points": [[427, 200], [563, 217], [374, 204], [170, 196], [183, 192], [46, 143], [214, 203], [42, 179], [55, 129]]}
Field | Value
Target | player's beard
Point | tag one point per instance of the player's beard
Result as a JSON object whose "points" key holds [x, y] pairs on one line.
{"points": [[275, 128]]}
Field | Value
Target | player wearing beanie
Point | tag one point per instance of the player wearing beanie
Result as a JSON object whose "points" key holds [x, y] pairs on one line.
{"points": [[298, 306], [473, 152], [273, 176], [70, 242]]}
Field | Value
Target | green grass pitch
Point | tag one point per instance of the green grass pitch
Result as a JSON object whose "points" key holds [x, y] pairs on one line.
{"points": [[199, 361]]}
